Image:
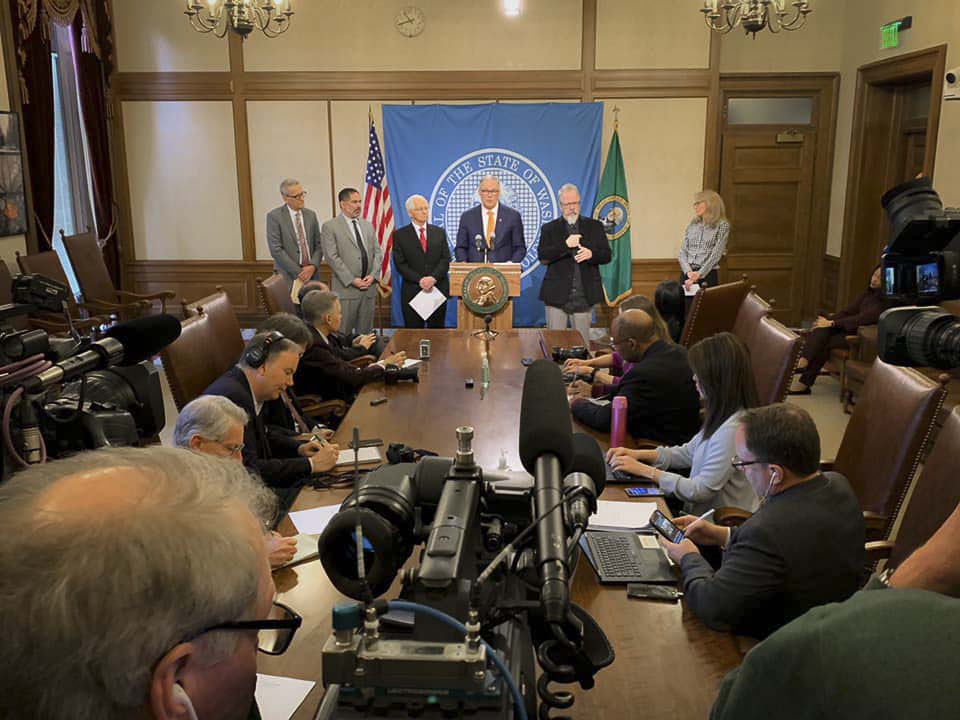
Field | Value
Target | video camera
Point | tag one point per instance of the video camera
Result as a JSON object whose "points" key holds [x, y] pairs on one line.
{"points": [[920, 265], [492, 584], [63, 395], [392, 374], [577, 352]]}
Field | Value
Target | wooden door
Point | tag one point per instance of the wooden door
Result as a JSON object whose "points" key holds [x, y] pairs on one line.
{"points": [[766, 181]]}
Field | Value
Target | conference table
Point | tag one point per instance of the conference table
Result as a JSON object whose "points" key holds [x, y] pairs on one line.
{"points": [[668, 664]]}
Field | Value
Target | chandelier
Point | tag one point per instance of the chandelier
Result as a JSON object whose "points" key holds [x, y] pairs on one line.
{"points": [[271, 17], [754, 15]]}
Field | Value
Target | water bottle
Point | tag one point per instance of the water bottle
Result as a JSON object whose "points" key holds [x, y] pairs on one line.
{"points": [[618, 421], [485, 371]]}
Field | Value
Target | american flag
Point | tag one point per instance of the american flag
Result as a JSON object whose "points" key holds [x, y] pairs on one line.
{"points": [[376, 204]]}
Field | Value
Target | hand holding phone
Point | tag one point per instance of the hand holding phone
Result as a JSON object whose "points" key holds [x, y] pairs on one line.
{"points": [[660, 523]]}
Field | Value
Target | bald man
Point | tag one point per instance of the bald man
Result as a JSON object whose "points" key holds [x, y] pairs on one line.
{"points": [[135, 557], [662, 400]]}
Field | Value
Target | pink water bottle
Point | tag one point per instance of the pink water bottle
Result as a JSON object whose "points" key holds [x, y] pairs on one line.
{"points": [[618, 421]]}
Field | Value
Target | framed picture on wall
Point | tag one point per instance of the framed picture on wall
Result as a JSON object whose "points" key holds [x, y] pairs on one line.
{"points": [[13, 206]]}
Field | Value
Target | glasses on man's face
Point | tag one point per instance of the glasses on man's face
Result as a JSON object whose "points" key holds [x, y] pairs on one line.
{"points": [[299, 196], [740, 464], [274, 634], [617, 342], [574, 203], [490, 192], [232, 448]]}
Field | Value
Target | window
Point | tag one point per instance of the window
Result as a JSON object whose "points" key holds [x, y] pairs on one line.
{"points": [[769, 111]]}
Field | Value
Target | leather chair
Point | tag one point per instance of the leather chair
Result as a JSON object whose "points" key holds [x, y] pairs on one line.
{"points": [[274, 295], [752, 310], [713, 310], [888, 431], [187, 360], [935, 495], [83, 316], [774, 351], [97, 286], [227, 344]]}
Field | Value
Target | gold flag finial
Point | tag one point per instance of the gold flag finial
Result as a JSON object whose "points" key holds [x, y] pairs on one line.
{"points": [[616, 118]]}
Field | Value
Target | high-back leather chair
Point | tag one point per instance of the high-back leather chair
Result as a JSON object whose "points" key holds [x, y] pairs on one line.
{"points": [[935, 496], [187, 360], [885, 439], [752, 310], [274, 295], [45, 263], [228, 337], [713, 310], [48, 264], [97, 286], [774, 351]]}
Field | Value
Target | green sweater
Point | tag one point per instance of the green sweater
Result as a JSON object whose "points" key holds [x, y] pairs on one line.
{"points": [[882, 654]]}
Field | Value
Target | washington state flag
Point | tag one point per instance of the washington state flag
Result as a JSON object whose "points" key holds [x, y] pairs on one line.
{"points": [[613, 210]]}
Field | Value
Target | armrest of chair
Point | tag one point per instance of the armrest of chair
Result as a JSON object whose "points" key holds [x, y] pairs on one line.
{"points": [[827, 465], [318, 408], [731, 516], [100, 305], [148, 298], [877, 550], [645, 444], [363, 361], [874, 522]]}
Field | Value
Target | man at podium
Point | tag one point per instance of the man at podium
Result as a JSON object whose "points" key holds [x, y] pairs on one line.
{"points": [[493, 226]]}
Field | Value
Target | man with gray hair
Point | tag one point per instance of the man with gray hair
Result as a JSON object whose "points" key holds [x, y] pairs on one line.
{"points": [[573, 248], [421, 255], [490, 229], [293, 235], [146, 580]]}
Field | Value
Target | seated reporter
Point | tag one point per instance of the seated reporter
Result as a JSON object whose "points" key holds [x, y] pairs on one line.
{"points": [[662, 402], [803, 547], [134, 581], [213, 425], [348, 346], [323, 372], [724, 380], [890, 651], [266, 369]]}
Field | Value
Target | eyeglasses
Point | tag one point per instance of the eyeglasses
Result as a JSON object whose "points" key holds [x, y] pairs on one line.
{"points": [[299, 196], [619, 341], [274, 634], [490, 192], [232, 448], [740, 464], [570, 204]]}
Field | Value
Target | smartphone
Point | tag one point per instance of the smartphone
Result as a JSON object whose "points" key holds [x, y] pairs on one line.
{"points": [[378, 401], [662, 525], [643, 492], [652, 592]]}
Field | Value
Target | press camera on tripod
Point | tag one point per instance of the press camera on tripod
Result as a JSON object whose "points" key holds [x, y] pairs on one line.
{"points": [[921, 266], [63, 395], [492, 586]]}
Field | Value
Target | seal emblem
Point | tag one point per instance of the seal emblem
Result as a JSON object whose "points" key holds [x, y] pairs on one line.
{"points": [[614, 212], [485, 291]]}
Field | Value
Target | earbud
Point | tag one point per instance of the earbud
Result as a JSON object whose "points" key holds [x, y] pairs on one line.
{"points": [[181, 696]]}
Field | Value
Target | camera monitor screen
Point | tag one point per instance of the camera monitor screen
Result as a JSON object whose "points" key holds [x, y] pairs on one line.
{"points": [[928, 279]]}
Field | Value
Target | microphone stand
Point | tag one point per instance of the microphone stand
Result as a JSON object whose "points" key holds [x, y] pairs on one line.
{"points": [[486, 334]]}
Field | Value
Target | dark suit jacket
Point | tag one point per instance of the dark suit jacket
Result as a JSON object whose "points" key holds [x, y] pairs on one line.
{"points": [[322, 372], [662, 401], [558, 258], [801, 549], [273, 456], [509, 245], [413, 265]]}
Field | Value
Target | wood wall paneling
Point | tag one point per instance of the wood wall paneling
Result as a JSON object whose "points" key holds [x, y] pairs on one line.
{"points": [[831, 283]]}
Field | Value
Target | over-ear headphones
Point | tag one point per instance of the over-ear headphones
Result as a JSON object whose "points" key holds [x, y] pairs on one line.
{"points": [[256, 353]]}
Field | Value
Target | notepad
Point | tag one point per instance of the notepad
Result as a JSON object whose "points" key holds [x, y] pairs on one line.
{"points": [[306, 548], [616, 516], [366, 455], [313, 521], [279, 697]]}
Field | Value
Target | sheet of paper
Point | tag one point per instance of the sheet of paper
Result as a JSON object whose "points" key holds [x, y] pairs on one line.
{"points": [[306, 549], [692, 290], [313, 521], [600, 402], [367, 455], [424, 303], [410, 362], [279, 697], [613, 515], [295, 291]]}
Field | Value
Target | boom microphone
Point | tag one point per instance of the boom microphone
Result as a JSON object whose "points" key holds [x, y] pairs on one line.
{"points": [[128, 343], [588, 471], [546, 450]]}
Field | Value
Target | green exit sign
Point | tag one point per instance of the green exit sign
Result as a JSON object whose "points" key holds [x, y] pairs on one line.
{"points": [[890, 35]]}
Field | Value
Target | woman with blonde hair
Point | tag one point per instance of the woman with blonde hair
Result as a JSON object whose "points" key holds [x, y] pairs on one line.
{"points": [[705, 240]]}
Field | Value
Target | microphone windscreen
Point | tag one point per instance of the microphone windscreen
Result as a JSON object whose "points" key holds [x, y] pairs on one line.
{"points": [[588, 459], [144, 337], [545, 417]]}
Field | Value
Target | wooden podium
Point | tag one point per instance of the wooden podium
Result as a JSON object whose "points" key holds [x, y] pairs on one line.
{"points": [[467, 320]]}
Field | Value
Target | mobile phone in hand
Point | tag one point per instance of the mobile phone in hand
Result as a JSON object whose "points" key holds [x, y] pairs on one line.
{"points": [[660, 523], [643, 492]]}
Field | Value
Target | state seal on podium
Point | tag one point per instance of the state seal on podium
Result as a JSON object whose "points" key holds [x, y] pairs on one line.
{"points": [[485, 291]]}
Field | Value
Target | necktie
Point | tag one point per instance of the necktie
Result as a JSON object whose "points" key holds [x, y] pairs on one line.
{"points": [[364, 260], [490, 228], [302, 242], [423, 239]]}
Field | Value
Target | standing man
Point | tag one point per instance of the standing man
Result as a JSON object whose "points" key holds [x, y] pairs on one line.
{"points": [[353, 254], [293, 235], [499, 227], [422, 257], [572, 247]]}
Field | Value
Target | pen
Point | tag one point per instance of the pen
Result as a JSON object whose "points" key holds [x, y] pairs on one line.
{"points": [[324, 442], [707, 514]]}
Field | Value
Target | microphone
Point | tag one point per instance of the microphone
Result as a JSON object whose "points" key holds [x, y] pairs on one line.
{"points": [[478, 241], [546, 451], [128, 343], [587, 471]]}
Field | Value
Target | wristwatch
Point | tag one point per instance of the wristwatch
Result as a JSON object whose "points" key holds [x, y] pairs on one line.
{"points": [[885, 576]]}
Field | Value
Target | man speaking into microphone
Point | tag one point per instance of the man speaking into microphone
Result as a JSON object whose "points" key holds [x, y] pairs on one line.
{"points": [[490, 229], [572, 247]]}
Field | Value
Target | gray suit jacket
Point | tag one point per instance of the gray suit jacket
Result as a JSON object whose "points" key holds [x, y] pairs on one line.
{"points": [[282, 239], [343, 256]]}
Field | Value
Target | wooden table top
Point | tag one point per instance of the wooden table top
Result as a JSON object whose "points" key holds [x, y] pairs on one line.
{"points": [[668, 664]]}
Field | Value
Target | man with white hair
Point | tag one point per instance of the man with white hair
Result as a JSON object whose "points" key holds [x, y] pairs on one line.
{"points": [[497, 229], [573, 247], [421, 256], [134, 583], [293, 235]]}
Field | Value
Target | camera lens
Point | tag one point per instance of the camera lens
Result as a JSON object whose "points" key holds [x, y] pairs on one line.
{"points": [[951, 78], [933, 339]]}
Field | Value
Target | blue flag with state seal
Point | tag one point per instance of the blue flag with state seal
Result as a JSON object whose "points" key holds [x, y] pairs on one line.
{"points": [[443, 151]]}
